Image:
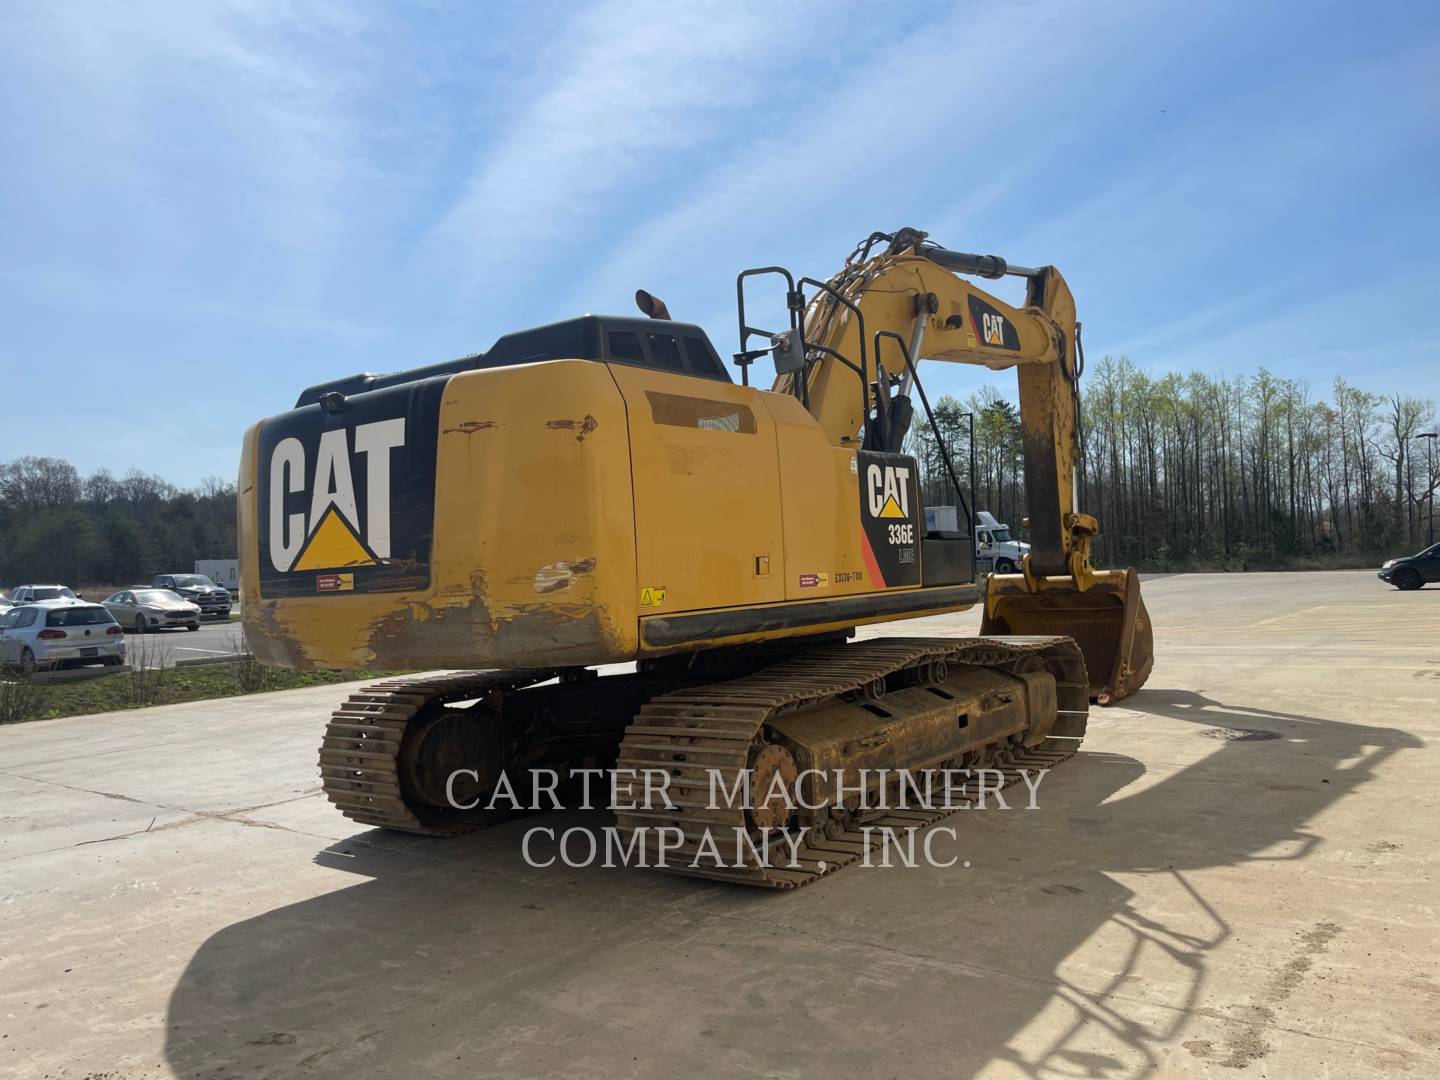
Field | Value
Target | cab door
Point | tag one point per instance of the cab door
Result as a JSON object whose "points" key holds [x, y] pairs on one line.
{"points": [[13, 644], [984, 552]]}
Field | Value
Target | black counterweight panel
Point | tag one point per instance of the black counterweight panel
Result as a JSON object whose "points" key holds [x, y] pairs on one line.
{"points": [[347, 499]]}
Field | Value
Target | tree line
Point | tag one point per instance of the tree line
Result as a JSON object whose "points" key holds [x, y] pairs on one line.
{"points": [[1192, 470], [59, 527]]}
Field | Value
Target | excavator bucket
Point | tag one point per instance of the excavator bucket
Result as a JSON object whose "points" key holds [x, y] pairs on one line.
{"points": [[1107, 620]]}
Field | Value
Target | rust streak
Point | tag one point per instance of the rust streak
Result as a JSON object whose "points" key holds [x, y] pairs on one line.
{"points": [[583, 427], [469, 427]]}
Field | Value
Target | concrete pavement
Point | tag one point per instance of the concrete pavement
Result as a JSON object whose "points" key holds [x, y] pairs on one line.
{"points": [[164, 648], [1239, 872]]}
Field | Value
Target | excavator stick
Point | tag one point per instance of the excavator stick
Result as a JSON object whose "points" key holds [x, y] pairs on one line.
{"points": [[1107, 619]]}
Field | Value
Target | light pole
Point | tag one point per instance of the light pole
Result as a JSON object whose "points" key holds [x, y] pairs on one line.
{"points": [[1430, 437]]}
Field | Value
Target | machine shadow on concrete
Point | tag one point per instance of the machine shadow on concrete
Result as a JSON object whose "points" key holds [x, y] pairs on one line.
{"points": [[457, 958]]}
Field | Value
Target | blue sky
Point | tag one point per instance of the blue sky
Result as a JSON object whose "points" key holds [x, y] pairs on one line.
{"points": [[205, 207]]}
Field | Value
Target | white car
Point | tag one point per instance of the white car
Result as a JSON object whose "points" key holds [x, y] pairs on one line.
{"points": [[59, 633]]}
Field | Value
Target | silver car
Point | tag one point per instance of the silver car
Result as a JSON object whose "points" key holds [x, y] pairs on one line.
{"points": [[145, 609], [33, 594], [59, 633]]}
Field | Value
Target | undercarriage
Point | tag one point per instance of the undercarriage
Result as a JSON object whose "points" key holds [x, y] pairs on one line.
{"points": [[819, 735]]}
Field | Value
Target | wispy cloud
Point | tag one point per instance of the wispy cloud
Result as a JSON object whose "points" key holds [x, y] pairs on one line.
{"points": [[168, 127], [636, 90], [934, 131]]}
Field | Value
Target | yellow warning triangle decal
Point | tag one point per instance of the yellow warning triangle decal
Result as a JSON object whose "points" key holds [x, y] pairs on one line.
{"points": [[891, 509], [332, 544]]}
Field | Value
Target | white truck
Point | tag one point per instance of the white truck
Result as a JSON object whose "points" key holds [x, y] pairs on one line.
{"points": [[995, 550], [224, 572]]}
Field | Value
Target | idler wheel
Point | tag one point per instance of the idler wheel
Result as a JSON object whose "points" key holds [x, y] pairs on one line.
{"points": [[445, 743]]}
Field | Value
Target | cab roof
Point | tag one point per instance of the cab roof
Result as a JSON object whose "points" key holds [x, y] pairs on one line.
{"points": [[663, 344]]}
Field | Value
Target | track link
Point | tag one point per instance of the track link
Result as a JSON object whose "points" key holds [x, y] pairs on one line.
{"points": [[690, 732], [360, 755]]}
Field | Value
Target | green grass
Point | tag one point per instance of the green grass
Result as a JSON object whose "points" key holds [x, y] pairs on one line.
{"points": [[40, 700]]}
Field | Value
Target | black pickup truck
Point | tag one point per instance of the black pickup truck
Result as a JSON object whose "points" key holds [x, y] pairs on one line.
{"points": [[200, 590]]}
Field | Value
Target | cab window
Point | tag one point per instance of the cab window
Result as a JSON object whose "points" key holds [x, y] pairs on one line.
{"points": [[666, 352], [623, 346], [702, 360]]}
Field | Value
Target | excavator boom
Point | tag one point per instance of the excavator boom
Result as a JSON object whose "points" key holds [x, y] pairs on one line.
{"points": [[910, 294]]}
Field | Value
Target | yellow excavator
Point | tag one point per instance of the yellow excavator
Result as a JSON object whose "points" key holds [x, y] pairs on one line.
{"points": [[600, 491]]}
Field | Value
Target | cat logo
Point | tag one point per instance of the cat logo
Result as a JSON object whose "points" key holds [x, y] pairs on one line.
{"points": [[331, 536], [992, 328], [888, 487], [995, 330]]}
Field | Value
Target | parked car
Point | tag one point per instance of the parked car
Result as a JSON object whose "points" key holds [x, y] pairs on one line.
{"points": [[60, 633], [199, 590], [5, 603], [1413, 571], [32, 594], [152, 609]]}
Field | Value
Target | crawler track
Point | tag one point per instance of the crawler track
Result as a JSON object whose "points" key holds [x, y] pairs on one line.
{"points": [[690, 733], [360, 760]]}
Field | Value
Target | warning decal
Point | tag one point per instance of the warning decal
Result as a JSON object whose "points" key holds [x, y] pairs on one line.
{"points": [[890, 515]]}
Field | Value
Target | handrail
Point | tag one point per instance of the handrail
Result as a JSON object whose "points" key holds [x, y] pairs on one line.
{"points": [[835, 294]]}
